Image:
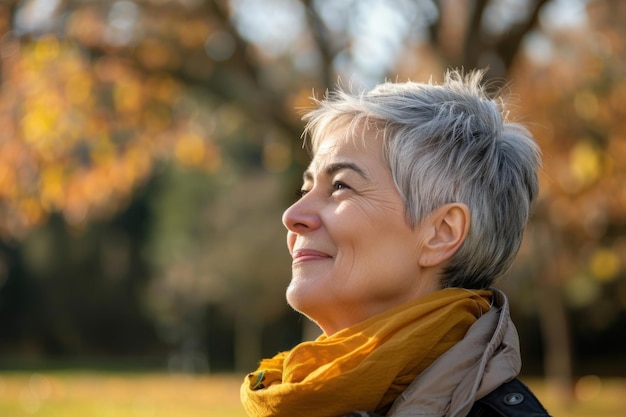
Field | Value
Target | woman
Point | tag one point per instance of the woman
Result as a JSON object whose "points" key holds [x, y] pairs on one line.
{"points": [[414, 203]]}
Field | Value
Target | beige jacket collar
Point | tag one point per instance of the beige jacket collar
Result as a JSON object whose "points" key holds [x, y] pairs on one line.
{"points": [[487, 357]]}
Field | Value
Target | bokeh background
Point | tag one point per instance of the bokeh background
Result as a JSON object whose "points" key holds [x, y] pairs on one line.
{"points": [[149, 147]]}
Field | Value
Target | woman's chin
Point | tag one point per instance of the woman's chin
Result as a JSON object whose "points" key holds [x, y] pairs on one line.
{"points": [[304, 300], [297, 298]]}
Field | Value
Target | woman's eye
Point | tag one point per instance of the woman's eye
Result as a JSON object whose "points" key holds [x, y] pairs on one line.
{"points": [[338, 185]]}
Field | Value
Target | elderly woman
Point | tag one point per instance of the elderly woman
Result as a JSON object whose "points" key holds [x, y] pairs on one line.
{"points": [[414, 203]]}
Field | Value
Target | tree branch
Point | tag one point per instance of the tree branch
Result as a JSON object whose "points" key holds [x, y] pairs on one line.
{"points": [[321, 36], [473, 41], [508, 46]]}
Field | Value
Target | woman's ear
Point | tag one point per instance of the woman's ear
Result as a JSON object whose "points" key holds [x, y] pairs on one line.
{"points": [[446, 229]]}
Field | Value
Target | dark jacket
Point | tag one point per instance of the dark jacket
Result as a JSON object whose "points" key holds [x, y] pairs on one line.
{"points": [[512, 399]]}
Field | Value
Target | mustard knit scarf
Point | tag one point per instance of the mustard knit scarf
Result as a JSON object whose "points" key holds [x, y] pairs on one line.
{"points": [[364, 367]]}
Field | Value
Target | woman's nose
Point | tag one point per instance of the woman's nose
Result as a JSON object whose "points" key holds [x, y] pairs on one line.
{"points": [[303, 215]]}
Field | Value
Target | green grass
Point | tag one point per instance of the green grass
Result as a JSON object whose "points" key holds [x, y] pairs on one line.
{"points": [[150, 394], [97, 394]]}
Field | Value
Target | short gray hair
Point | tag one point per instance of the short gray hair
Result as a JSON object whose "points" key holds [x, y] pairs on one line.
{"points": [[443, 144]]}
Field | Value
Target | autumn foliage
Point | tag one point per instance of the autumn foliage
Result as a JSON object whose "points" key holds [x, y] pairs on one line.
{"points": [[201, 99]]}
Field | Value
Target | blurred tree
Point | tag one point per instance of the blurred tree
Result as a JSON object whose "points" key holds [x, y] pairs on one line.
{"points": [[572, 82], [201, 98], [226, 250]]}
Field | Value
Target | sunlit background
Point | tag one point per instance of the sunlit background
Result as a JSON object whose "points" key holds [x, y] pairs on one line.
{"points": [[149, 147]]}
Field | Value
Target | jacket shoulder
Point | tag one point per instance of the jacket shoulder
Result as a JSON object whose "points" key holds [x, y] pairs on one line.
{"points": [[511, 399]]}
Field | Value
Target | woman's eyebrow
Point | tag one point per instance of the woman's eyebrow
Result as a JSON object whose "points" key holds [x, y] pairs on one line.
{"points": [[335, 167]]}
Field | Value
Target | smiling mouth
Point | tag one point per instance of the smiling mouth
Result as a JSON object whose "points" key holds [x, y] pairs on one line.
{"points": [[308, 255]]}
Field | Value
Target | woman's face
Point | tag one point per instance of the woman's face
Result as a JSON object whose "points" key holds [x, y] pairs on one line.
{"points": [[354, 254]]}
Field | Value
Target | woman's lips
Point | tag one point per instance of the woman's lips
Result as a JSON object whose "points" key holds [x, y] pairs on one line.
{"points": [[307, 255]]}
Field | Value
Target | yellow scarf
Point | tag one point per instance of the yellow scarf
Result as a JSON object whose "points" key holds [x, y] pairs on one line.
{"points": [[364, 367]]}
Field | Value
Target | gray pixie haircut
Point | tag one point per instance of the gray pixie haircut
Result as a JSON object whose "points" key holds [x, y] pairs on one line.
{"points": [[447, 143]]}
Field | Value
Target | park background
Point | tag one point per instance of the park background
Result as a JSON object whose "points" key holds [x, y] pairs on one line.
{"points": [[149, 147]]}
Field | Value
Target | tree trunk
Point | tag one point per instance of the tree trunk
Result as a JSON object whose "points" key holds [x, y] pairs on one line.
{"points": [[557, 342], [553, 312], [248, 340]]}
